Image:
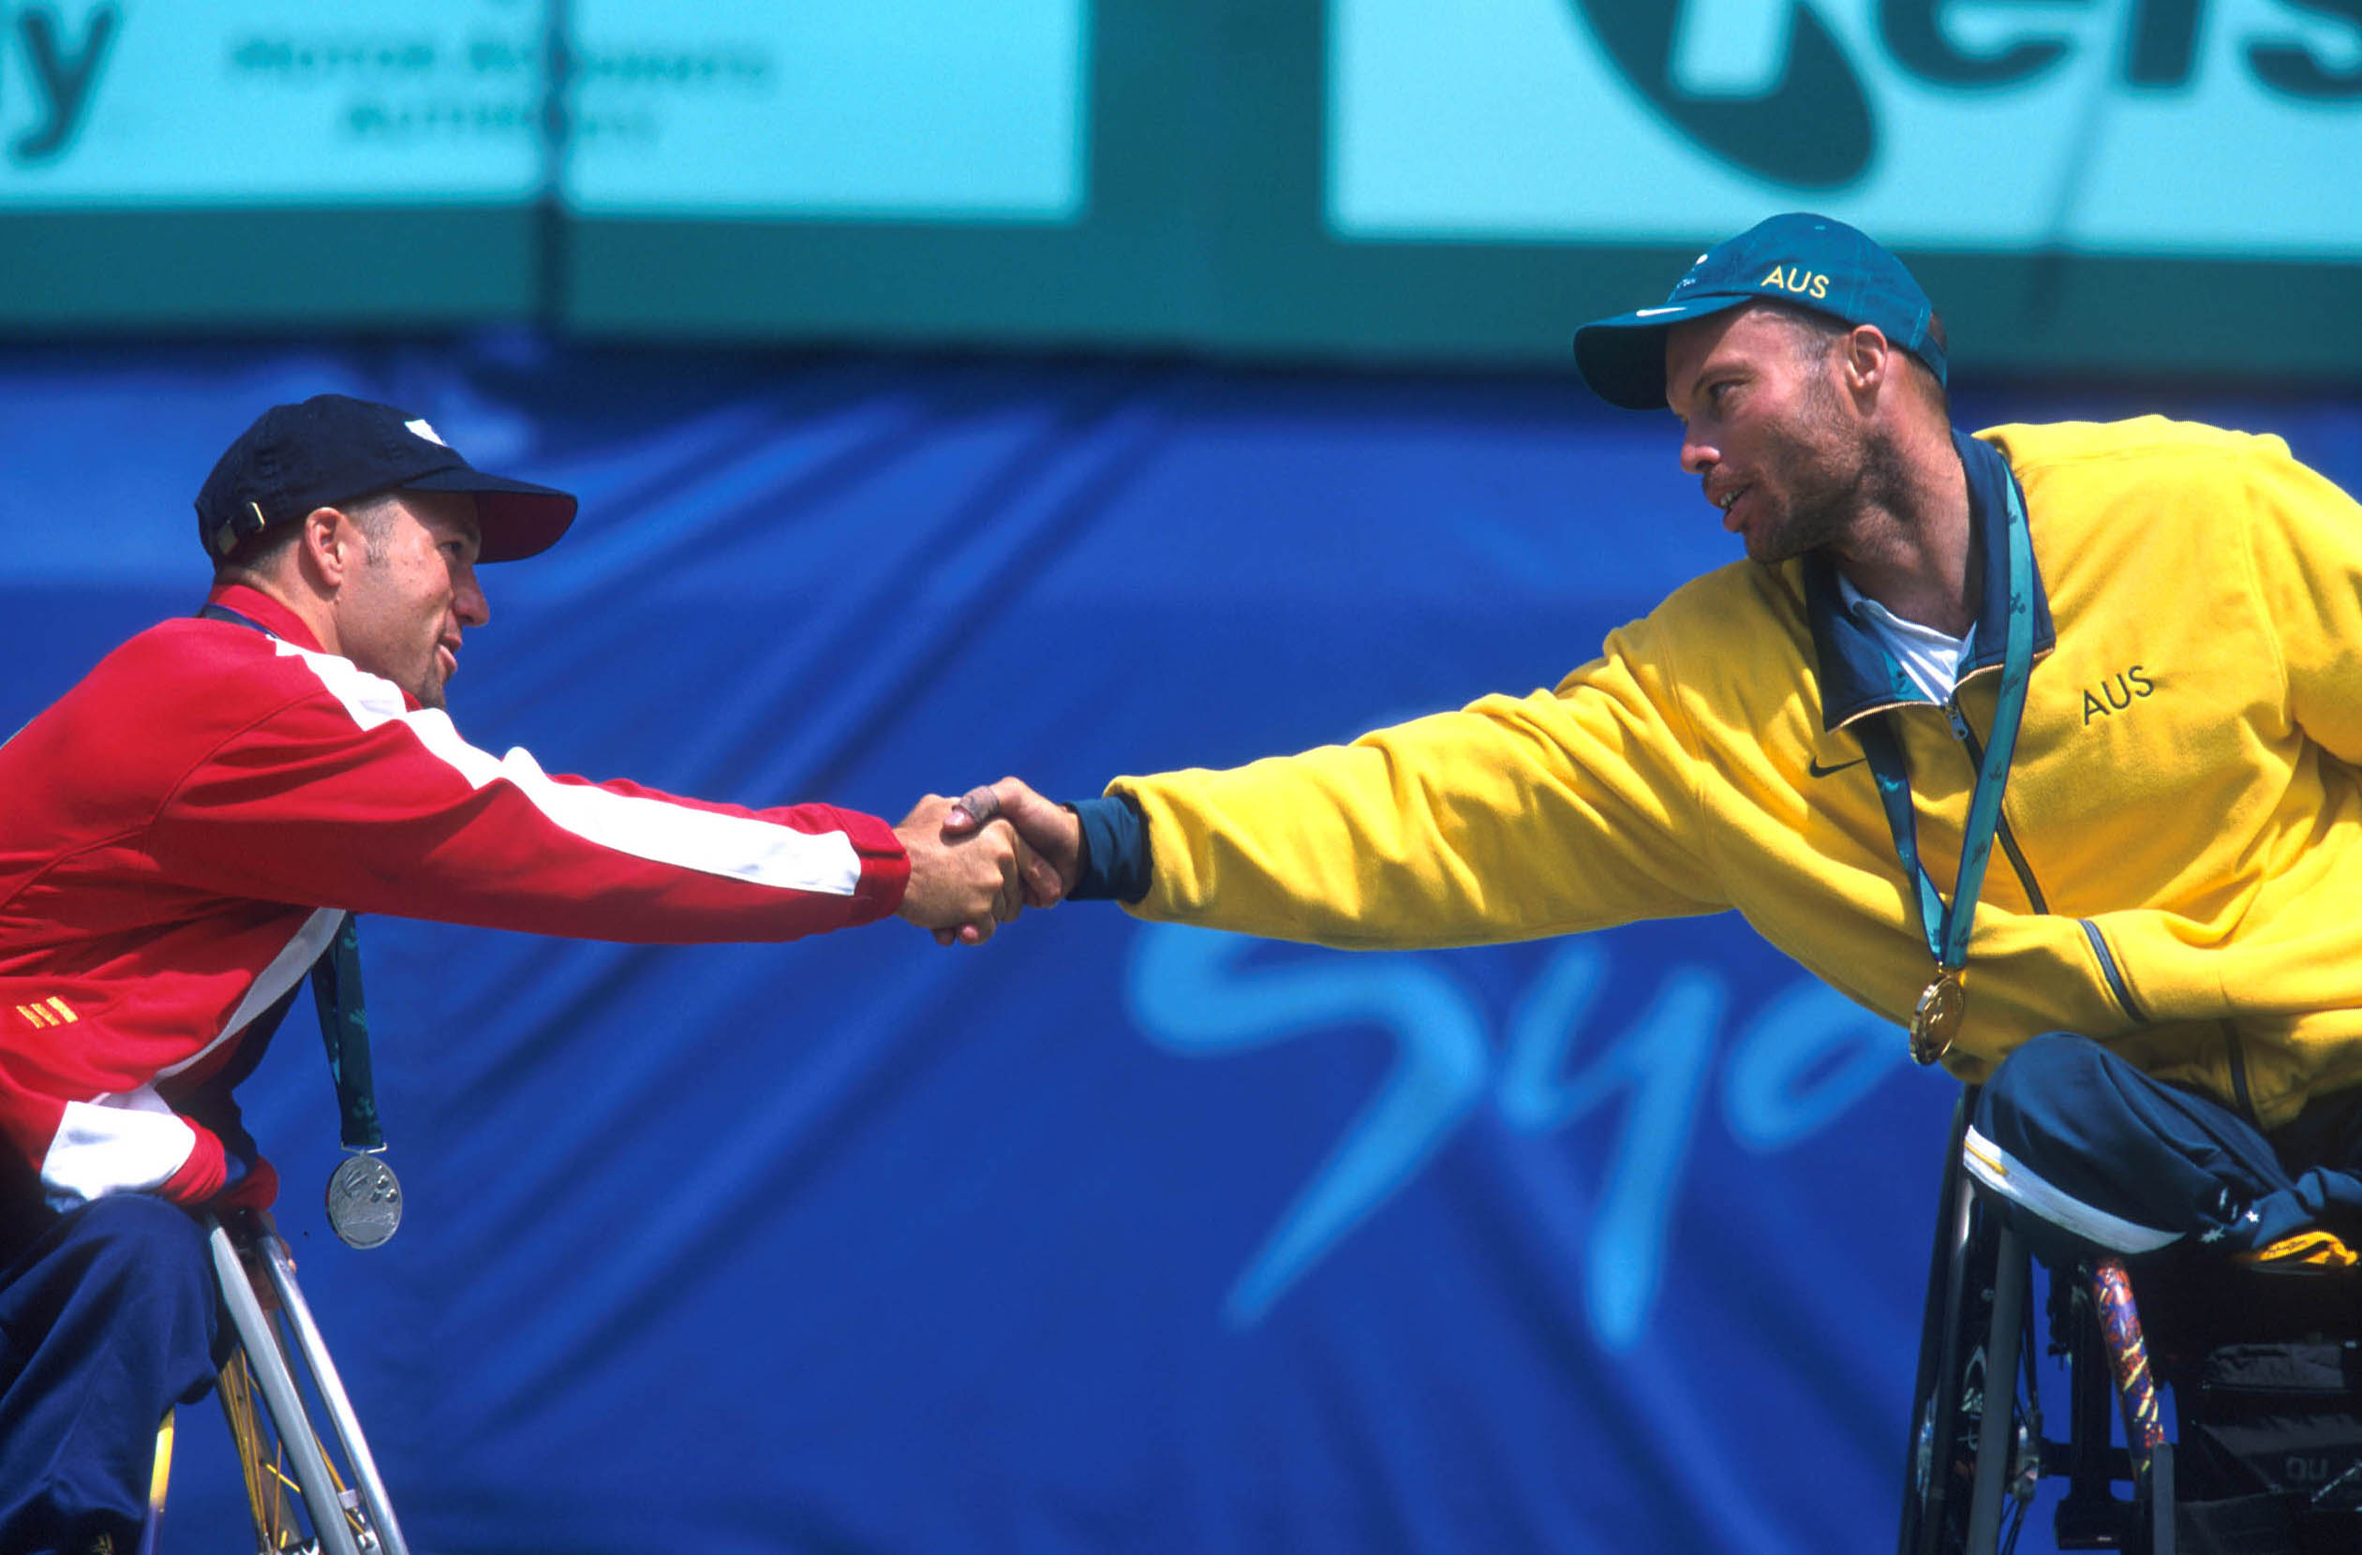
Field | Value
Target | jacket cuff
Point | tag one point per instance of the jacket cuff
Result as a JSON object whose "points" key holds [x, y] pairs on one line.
{"points": [[252, 1185], [885, 867], [203, 1174], [1115, 850]]}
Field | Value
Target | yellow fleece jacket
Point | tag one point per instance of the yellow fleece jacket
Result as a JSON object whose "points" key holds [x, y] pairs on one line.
{"points": [[2180, 874]]}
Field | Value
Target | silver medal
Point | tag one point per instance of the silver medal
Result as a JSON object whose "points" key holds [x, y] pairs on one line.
{"points": [[364, 1201]]}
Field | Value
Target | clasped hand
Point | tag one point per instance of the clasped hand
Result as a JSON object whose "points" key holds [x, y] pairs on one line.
{"points": [[978, 861]]}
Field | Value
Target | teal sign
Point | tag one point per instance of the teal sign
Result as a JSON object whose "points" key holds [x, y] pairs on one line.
{"points": [[145, 104], [909, 109], [963, 109], [49, 70], [2193, 127], [1380, 180]]}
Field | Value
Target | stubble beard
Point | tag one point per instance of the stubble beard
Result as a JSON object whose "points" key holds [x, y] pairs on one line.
{"points": [[423, 685], [1831, 476], [431, 690], [426, 684]]}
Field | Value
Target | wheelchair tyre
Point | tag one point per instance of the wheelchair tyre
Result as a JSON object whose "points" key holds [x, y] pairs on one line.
{"points": [[1966, 1442], [348, 1511]]}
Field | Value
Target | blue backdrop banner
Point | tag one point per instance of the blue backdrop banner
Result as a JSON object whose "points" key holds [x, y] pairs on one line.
{"points": [[1104, 1237]]}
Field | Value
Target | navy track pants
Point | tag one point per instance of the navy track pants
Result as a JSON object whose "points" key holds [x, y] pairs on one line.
{"points": [[2085, 1154], [108, 1316]]}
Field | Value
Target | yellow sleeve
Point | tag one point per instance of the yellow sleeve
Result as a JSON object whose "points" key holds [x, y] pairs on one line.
{"points": [[2305, 536], [1510, 819]]}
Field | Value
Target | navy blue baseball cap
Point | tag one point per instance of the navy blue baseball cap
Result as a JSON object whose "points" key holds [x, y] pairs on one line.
{"points": [[333, 449], [1799, 259]]}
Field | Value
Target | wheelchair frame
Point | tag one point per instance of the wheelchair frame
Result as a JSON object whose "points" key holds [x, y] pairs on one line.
{"points": [[1976, 1349], [349, 1512]]}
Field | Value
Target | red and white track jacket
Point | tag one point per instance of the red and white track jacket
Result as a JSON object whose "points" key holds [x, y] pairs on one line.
{"points": [[181, 834]]}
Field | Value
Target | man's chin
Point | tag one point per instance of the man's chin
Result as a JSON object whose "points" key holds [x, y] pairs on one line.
{"points": [[1788, 536]]}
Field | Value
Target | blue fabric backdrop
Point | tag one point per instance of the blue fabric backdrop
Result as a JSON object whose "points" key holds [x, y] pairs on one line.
{"points": [[1105, 1237]]}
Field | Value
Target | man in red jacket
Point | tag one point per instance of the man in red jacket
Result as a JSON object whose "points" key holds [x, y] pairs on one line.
{"points": [[184, 836]]}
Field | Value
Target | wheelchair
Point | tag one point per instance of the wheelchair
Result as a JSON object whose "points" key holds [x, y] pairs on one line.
{"points": [[2265, 1371], [287, 1461]]}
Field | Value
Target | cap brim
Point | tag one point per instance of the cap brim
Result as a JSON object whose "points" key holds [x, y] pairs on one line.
{"points": [[517, 518], [1623, 358]]}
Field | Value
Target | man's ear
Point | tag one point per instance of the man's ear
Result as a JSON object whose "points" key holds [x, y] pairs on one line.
{"points": [[330, 544], [1869, 359]]}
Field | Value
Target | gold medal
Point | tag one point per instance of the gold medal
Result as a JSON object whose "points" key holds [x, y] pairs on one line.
{"points": [[1936, 1021]]}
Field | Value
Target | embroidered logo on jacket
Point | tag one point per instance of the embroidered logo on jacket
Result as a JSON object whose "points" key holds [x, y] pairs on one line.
{"points": [[52, 1011], [2116, 693]]}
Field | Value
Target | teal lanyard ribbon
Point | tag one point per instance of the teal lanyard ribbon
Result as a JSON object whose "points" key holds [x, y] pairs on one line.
{"points": [[336, 993], [1947, 928], [344, 1030]]}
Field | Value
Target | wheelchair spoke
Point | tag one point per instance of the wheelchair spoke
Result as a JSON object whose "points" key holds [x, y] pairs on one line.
{"points": [[278, 1446]]}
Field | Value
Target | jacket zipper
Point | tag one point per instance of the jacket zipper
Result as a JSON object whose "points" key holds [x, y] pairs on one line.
{"points": [[2236, 1048], [2117, 987], [2116, 984], [2009, 842]]}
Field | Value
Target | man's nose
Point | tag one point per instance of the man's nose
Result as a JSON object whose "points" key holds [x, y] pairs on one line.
{"points": [[1697, 454], [468, 601]]}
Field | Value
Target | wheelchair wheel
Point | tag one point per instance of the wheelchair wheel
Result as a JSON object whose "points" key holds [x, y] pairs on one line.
{"points": [[1973, 1451], [345, 1508]]}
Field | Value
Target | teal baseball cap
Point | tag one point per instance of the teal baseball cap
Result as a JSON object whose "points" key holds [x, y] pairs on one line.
{"points": [[1805, 261]]}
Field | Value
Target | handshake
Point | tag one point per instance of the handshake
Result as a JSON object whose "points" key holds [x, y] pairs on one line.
{"points": [[979, 860]]}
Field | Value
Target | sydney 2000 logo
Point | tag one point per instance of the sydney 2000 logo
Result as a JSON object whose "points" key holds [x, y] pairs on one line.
{"points": [[1783, 1068], [1809, 122]]}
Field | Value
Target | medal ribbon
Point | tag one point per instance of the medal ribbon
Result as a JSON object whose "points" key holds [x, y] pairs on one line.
{"points": [[336, 993], [344, 1031], [1947, 928]]}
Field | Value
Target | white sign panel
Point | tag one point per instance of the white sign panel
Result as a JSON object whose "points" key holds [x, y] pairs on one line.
{"points": [[890, 108], [902, 109], [155, 103], [2228, 128]]}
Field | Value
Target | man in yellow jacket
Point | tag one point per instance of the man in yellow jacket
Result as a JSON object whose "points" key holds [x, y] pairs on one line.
{"points": [[2122, 663]]}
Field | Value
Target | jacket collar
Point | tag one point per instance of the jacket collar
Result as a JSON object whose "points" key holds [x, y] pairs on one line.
{"points": [[265, 612], [1858, 676]]}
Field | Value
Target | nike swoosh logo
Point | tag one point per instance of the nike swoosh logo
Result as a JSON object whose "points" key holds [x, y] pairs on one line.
{"points": [[1817, 770], [1650, 313]]}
